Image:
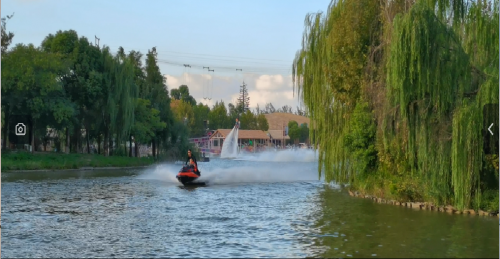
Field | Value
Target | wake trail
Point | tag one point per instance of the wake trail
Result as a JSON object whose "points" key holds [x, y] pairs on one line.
{"points": [[289, 155], [258, 173]]}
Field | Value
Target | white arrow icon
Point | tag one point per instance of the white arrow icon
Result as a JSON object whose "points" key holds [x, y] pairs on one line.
{"points": [[489, 129]]}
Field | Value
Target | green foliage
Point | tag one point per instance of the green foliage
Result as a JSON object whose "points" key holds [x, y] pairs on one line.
{"points": [[294, 131], [304, 132], [262, 123], [360, 140], [201, 113], [6, 36], [176, 94], [426, 70], [218, 117], [147, 121], [68, 84], [31, 85], [248, 121], [489, 201], [183, 94]]}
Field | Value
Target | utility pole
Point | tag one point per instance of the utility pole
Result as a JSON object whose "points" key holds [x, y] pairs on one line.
{"points": [[97, 41]]}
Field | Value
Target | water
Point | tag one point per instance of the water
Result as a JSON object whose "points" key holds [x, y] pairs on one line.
{"points": [[230, 145], [251, 208]]}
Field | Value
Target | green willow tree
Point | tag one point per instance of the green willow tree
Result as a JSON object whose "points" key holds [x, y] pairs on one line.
{"points": [[422, 72]]}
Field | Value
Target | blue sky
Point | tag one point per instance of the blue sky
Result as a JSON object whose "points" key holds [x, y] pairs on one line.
{"points": [[260, 37]]}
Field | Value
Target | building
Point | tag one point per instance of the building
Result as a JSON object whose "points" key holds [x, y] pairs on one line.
{"points": [[258, 139], [278, 137], [278, 124], [279, 120]]}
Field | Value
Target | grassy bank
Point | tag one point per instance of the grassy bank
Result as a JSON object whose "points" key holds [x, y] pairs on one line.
{"points": [[37, 161], [403, 190]]}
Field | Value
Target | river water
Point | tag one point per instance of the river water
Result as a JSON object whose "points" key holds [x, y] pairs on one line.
{"points": [[272, 205]]}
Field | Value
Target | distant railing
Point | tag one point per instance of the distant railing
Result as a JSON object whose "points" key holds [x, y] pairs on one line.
{"points": [[199, 140]]}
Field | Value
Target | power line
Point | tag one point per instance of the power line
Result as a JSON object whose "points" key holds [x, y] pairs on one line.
{"points": [[174, 62], [210, 55], [226, 68], [230, 68]]}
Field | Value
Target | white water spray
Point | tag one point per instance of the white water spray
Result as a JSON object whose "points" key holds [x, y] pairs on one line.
{"points": [[237, 173], [230, 145], [288, 155]]}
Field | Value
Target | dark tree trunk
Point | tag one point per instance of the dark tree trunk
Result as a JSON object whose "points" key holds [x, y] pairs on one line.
{"points": [[106, 142], [67, 141], [88, 138], [32, 135], [130, 146], [154, 148], [137, 149], [110, 145], [99, 144], [76, 135], [158, 149], [6, 132]]}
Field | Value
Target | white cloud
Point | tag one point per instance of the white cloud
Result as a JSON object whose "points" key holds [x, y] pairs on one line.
{"points": [[262, 89], [269, 82]]}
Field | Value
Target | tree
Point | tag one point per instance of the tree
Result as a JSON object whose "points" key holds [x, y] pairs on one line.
{"points": [[31, 86], [300, 112], [183, 112], [294, 132], [395, 89], [244, 99], [201, 113], [258, 110], [176, 94], [262, 123], [269, 108], [248, 121], [218, 117], [6, 36], [285, 109], [147, 123], [70, 85], [304, 132], [183, 94]]}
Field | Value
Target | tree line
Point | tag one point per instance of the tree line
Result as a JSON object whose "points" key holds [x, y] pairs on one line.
{"points": [[86, 94], [77, 94], [396, 92]]}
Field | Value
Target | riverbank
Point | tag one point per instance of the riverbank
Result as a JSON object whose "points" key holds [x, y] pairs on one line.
{"points": [[424, 205], [23, 161]]}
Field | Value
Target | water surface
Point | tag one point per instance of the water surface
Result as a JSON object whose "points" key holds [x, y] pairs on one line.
{"points": [[266, 206]]}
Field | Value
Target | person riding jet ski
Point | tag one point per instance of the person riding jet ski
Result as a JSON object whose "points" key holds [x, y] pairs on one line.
{"points": [[191, 161]]}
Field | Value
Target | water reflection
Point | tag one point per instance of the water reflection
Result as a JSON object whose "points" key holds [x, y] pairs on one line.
{"points": [[353, 227], [28, 176]]}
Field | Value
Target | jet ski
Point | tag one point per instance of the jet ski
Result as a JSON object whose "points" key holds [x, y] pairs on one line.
{"points": [[187, 176]]}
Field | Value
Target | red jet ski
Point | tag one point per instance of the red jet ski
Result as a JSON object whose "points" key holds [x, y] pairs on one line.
{"points": [[188, 176]]}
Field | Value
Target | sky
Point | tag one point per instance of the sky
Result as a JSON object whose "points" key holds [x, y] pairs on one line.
{"points": [[259, 37]]}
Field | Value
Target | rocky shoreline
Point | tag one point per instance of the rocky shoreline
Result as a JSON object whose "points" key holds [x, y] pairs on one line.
{"points": [[424, 205]]}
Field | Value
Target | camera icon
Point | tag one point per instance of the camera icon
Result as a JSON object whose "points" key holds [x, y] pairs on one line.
{"points": [[20, 129]]}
